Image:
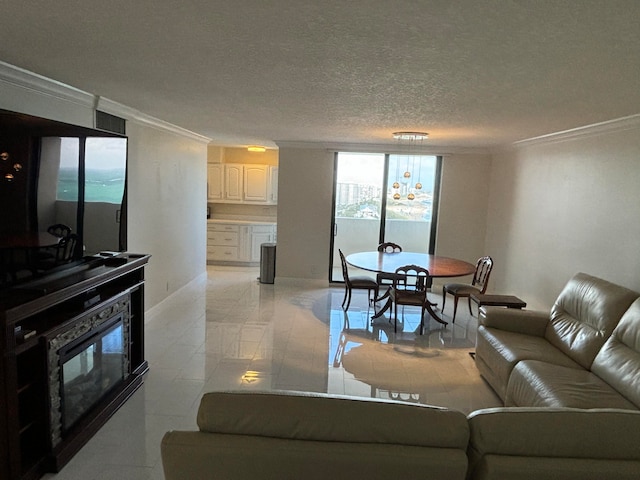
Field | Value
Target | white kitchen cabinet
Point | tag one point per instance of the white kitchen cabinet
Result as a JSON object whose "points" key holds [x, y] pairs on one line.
{"points": [[238, 242], [256, 183], [242, 183], [223, 242], [215, 182], [233, 182], [260, 234], [273, 184]]}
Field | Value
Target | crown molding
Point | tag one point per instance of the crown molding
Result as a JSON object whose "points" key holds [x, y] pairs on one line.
{"points": [[131, 114], [615, 125], [383, 147], [37, 83], [45, 86]]}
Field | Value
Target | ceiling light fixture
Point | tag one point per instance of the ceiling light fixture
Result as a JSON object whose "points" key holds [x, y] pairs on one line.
{"points": [[407, 142], [256, 148]]}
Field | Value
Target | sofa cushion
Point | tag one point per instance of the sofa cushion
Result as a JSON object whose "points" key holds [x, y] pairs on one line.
{"points": [[536, 443], [321, 417], [585, 314], [618, 362], [498, 351], [539, 384]]}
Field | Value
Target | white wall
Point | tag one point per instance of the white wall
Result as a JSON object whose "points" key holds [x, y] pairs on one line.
{"points": [[464, 197], [167, 208], [305, 195], [563, 206], [305, 192]]}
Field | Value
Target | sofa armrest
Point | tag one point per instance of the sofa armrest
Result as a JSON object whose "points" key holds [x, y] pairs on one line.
{"points": [[529, 322]]}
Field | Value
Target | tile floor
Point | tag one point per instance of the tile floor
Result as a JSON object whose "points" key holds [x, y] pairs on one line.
{"points": [[231, 332]]}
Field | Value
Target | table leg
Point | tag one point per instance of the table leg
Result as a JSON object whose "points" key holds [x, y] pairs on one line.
{"points": [[429, 307]]}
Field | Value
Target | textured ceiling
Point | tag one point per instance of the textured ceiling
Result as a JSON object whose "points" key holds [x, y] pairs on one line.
{"points": [[472, 73]]}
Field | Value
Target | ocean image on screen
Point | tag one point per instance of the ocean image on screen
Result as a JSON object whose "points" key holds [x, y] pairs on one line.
{"points": [[101, 185]]}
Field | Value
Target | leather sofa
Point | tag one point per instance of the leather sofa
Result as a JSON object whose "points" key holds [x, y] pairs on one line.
{"points": [[289, 435], [570, 380], [585, 353]]}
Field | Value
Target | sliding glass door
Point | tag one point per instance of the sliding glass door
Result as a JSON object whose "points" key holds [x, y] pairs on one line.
{"points": [[381, 197]]}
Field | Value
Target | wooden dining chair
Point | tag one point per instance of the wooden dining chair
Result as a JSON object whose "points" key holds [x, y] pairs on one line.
{"points": [[478, 285], [360, 282], [385, 279], [410, 288]]}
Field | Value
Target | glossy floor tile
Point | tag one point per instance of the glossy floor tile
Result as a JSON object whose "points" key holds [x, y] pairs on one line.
{"points": [[231, 332]]}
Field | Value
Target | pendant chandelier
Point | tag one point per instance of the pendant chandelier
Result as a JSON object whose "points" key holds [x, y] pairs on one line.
{"points": [[408, 142]]}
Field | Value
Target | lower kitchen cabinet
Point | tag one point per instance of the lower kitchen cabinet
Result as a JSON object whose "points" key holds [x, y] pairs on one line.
{"points": [[237, 242]]}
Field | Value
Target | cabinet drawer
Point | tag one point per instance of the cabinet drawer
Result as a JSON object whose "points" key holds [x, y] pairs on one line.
{"points": [[222, 227], [222, 238], [222, 253]]}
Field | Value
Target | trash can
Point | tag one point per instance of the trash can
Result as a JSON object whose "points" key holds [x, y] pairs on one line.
{"points": [[267, 262]]}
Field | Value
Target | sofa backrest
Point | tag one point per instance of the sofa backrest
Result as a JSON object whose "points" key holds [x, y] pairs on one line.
{"points": [[322, 417], [618, 362], [291, 436], [584, 316]]}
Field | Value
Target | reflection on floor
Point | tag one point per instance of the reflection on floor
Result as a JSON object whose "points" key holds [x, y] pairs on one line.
{"points": [[231, 332]]}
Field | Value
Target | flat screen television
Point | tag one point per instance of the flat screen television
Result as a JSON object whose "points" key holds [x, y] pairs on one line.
{"points": [[52, 173]]}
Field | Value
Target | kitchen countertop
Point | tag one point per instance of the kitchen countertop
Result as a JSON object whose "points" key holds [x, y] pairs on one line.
{"points": [[237, 221]]}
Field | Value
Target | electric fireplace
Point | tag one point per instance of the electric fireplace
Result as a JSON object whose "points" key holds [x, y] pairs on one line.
{"points": [[86, 362]]}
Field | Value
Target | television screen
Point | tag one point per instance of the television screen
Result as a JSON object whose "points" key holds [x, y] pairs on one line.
{"points": [[62, 194]]}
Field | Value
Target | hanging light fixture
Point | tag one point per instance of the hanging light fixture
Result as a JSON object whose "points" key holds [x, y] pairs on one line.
{"points": [[409, 141]]}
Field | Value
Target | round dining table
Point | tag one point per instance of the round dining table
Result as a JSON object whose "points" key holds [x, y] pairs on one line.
{"points": [[384, 262], [388, 262]]}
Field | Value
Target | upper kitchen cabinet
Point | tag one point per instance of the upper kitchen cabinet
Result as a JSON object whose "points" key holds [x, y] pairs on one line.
{"points": [[237, 183], [256, 183], [273, 185], [215, 182], [233, 180]]}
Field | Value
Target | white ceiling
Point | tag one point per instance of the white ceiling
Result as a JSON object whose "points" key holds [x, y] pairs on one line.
{"points": [[472, 73]]}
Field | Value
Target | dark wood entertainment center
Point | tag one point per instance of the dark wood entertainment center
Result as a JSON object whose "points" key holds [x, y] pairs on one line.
{"points": [[64, 308]]}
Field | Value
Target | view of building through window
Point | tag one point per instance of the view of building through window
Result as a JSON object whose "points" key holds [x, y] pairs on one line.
{"points": [[409, 190]]}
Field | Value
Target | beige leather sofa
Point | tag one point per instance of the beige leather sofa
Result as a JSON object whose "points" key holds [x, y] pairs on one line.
{"points": [[287, 435], [570, 379], [585, 353], [291, 435]]}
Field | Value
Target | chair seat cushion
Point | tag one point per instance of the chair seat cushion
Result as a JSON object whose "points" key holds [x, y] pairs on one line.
{"points": [[363, 281], [460, 289]]}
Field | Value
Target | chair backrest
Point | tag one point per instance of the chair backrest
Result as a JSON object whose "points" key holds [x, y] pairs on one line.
{"points": [[389, 247], [66, 247], [412, 278], [345, 269], [59, 230], [481, 276]]}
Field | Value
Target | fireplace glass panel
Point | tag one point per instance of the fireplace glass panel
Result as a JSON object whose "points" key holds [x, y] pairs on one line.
{"points": [[90, 370]]}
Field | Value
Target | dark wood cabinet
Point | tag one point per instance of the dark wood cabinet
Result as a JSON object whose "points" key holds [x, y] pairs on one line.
{"points": [[62, 309]]}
